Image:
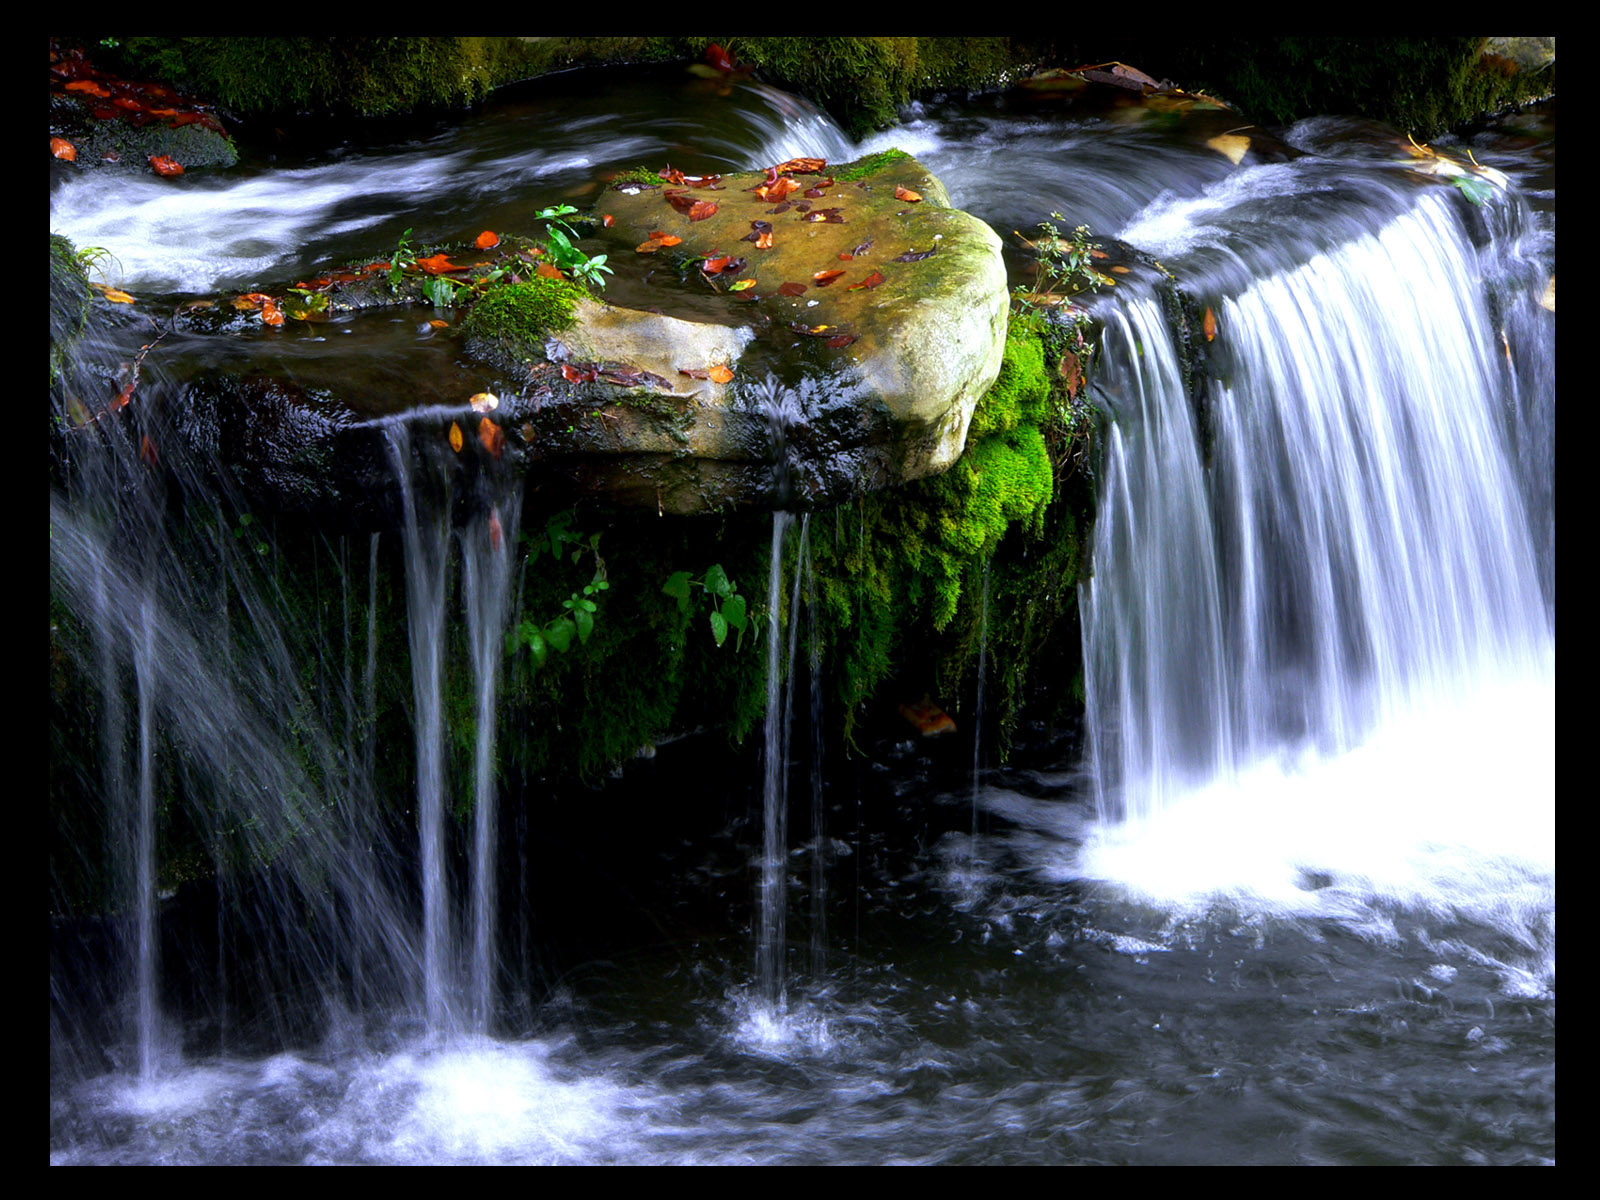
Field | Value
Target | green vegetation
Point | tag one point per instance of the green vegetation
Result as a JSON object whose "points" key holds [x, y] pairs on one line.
{"points": [[519, 315], [868, 165]]}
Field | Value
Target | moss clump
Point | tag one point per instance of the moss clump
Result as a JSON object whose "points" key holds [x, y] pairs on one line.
{"points": [[518, 316], [69, 302], [641, 175], [868, 165], [901, 565]]}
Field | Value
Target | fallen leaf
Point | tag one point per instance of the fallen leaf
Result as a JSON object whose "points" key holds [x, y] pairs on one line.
{"points": [[63, 149], [843, 339], [649, 247], [739, 285], [1210, 325], [902, 193], [1119, 270], [800, 166], [1230, 145], [871, 281], [487, 240], [549, 271], [858, 251], [824, 278], [120, 401], [695, 372], [88, 87], [116, 296], [702, 209], [720, 374], [164, 165], [583, 373], [491, 436], [484, 402], [455, 437], [495, 535], [791, 289], [915, 255], [438, 324], [666, 239], [764, 241], [607, 220], [438, 264], [271, 314]]}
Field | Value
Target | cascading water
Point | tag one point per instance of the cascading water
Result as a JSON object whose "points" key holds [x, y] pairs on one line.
{"points": [[1315, 621]]}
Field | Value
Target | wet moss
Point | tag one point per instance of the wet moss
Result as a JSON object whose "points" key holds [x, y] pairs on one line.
{"points": [[69, 303], [515, 319]]}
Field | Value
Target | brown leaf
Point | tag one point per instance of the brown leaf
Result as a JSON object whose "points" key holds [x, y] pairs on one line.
{"points": [[824, 278], [1210, 325], [147, 449], [492, 437], [455, 437], [843, 339], [871, 281], [801, 166], [915, 255], [903, 193], [791, 289], [495, 535]]}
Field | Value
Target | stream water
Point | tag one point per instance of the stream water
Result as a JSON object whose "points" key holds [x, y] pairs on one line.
{"points": [[1293, 899]]}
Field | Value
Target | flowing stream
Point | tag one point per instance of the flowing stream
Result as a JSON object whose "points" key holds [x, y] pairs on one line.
{"points": [[1295, 903]]}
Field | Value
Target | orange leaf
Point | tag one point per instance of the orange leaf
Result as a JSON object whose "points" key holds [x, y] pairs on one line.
{"points": [[455, 437], [494, 530], [720, 374], [1210, 325], [122, 398], [491, 436], [548, 271], [438, 324], [63, 149], [649, 247], [702, 209], [607, 220], [487, 240], [901, 193], [438, 264], [824, 278], [270, 314], [871, 281], [165, 165], [801, 166], [666, 239], [764, 240], [87, 86]]}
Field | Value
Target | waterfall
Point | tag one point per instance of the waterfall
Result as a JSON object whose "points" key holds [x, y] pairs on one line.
{"points": [[1351, 576], [775, 835]]}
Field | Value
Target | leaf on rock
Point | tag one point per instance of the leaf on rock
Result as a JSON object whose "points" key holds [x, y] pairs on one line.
{"points": [[487, 240], [801, 166], [871, 281], [455, 437], [163, 164], [904, 193], [1210, 325], [549, 271], [843, 339], [720, 373], [484, 402], [740, 285], [438, 264], [63, 149], [915, 255], [88, 87], [823, 278], [791, 289]]}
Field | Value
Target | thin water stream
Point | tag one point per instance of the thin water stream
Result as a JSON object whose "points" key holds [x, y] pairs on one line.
{"points": [[1295, 905]]}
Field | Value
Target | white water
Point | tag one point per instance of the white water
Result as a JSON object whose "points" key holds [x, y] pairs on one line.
{"points": [[1320, 669]]}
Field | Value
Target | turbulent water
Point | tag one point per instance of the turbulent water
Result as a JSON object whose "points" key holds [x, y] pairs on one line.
{"points": [[1294, 904]]}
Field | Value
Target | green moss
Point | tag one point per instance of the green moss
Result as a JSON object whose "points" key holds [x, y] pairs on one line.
{"points": [[867, 165], [69, 302], [519, 315], [642, 175]]}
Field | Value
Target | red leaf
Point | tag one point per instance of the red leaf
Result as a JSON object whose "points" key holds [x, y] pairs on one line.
{"points": [[607, 220], [702, 209], [89, 87], [871, 281], [844, 339], [719, 58], [824, 278], [438, 264], [791, 289], [147, 449], [164, 165], [487, 240], [63, 149]]}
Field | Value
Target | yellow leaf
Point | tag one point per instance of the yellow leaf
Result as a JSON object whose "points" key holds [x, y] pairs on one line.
{"points": [[1548, 300], [720, 374], [1230, 145], [118, 297], [455, 437], [485, 402], [1210, 325]]}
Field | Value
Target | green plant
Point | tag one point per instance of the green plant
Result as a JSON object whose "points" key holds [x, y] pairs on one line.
{"points": [[402, 258], [563, 254], [727, 606], [94, 259], [562, 544], [1065, 266]]}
